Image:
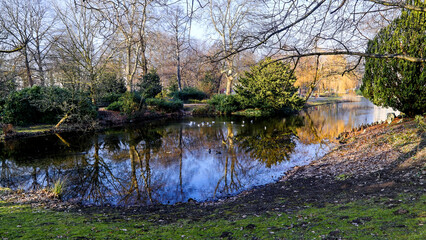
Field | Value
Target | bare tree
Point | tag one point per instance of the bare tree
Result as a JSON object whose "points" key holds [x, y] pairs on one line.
{"points": [[26, 26], [41, 28], [130, 18], [87, 42], [16, 20], [177, 25], [231, 20]]}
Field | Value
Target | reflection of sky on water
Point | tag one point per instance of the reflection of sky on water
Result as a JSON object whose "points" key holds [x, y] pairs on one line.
{"points": [[198, 158]]}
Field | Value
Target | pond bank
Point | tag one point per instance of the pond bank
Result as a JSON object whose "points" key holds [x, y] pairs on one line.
{"points": [[110, 119], [107, 119], [317, 101], [371, 186]]}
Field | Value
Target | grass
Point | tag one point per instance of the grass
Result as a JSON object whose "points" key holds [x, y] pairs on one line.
{"points": [[252, 113], [58, 188], [368, 219]]}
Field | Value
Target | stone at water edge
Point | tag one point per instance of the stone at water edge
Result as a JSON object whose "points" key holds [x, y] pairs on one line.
{"points": [[390, 117]]}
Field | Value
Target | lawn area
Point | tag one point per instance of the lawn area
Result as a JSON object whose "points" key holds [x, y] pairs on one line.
{"points": [[376, 218]]}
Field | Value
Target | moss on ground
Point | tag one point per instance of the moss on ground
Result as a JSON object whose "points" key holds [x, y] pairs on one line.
{"points": [[374, 218]]}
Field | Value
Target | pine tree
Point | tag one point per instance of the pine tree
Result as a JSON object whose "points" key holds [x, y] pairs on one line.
{"points": [[269, 86]]}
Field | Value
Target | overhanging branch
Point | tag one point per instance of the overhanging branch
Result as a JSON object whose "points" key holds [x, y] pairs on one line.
{"points": [[361, 54], [400, 5], [13, 50]]}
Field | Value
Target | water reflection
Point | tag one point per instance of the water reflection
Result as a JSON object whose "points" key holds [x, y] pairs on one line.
{"points": [[199, 158]]}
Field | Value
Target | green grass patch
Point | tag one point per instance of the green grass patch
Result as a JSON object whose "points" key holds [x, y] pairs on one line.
{"points": [[252, 113], [35, 129], [368, 219]]}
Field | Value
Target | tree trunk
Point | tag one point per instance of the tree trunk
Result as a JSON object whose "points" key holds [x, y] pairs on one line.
{"points": [[128, 68], [62, 120], [229, 82], [40, 67], [230, 75], [27, 66], [178, 69], [314, 83], [144, 61]]}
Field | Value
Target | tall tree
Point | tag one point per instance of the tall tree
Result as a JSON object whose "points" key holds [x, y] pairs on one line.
{"points": [[130, 18], [230, 20], [177, 25], [42, 26], [87, 42], [16, 19]]}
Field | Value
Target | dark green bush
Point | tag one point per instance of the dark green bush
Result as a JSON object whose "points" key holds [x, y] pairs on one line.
{"points": [[115, 106], [110, 88], [109, 98], [128, 103], [150, 85], [164, 105], [225, 104], [210, 83], [189, 93], [394, 82], [204, 110], [46, 105], [81, 109], [24, 108]]}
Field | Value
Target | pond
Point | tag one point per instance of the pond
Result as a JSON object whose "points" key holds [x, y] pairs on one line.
{"points": [[174, 161]]}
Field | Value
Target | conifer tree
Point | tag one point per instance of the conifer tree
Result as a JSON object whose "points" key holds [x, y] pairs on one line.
{"points": [[269, 86], [393, 82]]}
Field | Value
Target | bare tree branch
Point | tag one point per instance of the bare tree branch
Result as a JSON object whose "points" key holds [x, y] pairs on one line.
{"points": [[400, 4], [361, 54], [13, 50]]}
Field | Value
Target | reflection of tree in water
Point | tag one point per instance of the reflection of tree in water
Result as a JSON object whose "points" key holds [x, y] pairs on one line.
{"points": [[112, 142], [93, 179], [142, 144], [272, 143], [6, 173], [31, 164], [179, 191], [230, 177], [188, 143], [324, 124]]}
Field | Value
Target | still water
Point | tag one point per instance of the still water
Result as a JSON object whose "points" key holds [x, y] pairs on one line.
{"points": [[173, 161]]}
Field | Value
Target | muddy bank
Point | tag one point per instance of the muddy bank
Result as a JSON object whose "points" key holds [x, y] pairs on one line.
{"points": [[380, 161]]}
